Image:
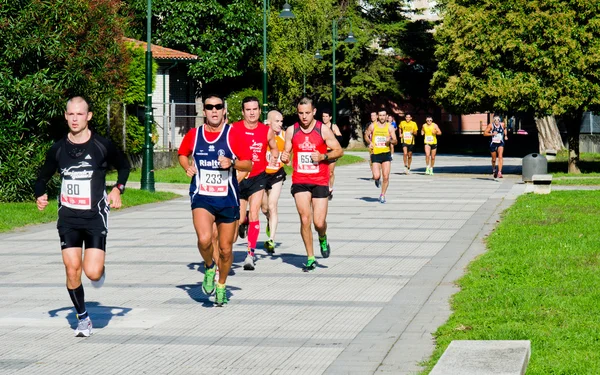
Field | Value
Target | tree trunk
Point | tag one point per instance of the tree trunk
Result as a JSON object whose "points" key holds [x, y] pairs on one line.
{"points": [[356, 138], [573, 122], [548, 134]]}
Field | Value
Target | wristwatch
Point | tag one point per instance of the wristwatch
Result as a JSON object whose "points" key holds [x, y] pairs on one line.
{"points": [[325, 156], [232, 163], [121, 188]]}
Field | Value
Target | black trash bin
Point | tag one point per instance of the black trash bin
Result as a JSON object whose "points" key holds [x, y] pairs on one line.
{"points": [[534, 164]]}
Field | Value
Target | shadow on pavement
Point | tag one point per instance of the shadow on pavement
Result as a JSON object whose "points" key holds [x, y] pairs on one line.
{"points": [[368, 199], [296, 260], [99, 314], [476, 169], [195, 292]]}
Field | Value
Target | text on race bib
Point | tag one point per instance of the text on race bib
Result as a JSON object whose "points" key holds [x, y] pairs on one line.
{"points": [[214, 182], [306, 164], [76, 194], [429, 139], [408, 136], [380, 141], [497, 138]]}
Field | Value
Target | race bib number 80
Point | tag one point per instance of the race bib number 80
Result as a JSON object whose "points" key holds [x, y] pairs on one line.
{"points": [[306, 164], [214, 182], [76, 194]]}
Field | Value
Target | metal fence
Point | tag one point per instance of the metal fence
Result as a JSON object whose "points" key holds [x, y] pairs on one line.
{"points": [[590, 123], [173, 121]]}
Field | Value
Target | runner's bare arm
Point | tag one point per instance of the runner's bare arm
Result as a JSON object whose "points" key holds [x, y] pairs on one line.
{"points": [[273, 147], [184, 161], [287, 148], [437, 130], [336, 130], [240, 165], [488, 131], [332, 143]]}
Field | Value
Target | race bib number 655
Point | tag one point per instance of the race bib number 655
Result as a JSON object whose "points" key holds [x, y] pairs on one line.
{"points": [[306, 164]]}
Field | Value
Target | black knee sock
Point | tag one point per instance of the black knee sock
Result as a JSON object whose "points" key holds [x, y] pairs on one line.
{"points": [[78, 299]]}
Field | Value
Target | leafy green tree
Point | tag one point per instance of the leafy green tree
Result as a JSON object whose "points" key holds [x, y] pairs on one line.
{"points": [[226, 35], [50, 51], [516, 55]]}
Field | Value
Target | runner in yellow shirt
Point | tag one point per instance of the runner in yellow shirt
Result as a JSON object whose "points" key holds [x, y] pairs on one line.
{"points": [[368, 140], [381, 135], [408, 130], [430, 130]]}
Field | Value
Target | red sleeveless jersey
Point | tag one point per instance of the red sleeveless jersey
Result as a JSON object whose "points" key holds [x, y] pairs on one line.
{"points": [[303, 144], [257, 140]]}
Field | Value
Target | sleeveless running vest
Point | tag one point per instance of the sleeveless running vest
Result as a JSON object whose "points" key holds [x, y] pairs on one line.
{"points": [[303, 145], [498, 138], [430, 136], [216, 186], [379, 138], [280, 144]]}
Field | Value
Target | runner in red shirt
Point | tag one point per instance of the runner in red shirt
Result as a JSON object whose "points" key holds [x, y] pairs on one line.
{"points": [[257, 136], [309, 141], [216, 156]]}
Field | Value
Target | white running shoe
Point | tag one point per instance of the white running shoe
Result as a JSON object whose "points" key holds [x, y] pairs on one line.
{"points": [[249, 263], [98, 283], [84, 328]]}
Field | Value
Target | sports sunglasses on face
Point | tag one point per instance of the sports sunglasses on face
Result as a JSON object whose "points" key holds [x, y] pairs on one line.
{"points": [[210, 107]]}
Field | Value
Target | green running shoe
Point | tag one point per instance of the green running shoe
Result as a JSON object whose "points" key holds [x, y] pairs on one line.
{"points": [[309, 266], [268, 230], [221, 297], [270, 246], [208, 285], [325, 249]]}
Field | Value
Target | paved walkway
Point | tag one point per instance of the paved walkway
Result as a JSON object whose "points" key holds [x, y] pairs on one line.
{"points": [[370, 308]]}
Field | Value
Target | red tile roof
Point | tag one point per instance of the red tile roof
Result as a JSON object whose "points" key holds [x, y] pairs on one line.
{"points": [[163, 53]]}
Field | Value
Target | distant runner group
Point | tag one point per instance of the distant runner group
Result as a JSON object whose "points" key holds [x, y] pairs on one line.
{"points": [[236, 172]]}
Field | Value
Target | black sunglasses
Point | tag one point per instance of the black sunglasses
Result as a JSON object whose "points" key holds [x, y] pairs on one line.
{"points": [[210, 107]]}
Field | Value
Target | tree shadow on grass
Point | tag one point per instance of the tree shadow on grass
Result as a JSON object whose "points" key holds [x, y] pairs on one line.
{"points": [[99, 314]]}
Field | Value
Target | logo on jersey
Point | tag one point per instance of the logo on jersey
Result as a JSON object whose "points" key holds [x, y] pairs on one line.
{"points": [[78, 174], [221, 152], [211, 148], [88, 157], [214, 164], [307, 144]]}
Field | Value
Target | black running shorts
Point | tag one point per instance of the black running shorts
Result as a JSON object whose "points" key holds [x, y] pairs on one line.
{"points": [[251, 185], [317, 191], [409, 147], [275, 178], [381, 158], [93, 237], [433, 147]]}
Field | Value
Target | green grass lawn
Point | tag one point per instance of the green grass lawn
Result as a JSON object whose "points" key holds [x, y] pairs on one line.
{"points": [[589, 165], [14, 215], [176, 174], [539, 281]]}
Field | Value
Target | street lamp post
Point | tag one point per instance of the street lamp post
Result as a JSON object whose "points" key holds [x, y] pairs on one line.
{"points": [[349, 39], [147, 180], [285, 13]]}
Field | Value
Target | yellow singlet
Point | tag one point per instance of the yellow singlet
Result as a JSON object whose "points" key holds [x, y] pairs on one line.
{"points": [[406, 132], [379, 138], [430, 136], [280, 145]]}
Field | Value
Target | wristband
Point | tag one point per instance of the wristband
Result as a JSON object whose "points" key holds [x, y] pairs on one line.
{"points": [[325, 156], [232, 163], [121, 188]]}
